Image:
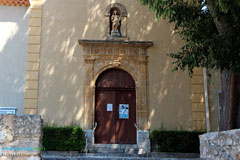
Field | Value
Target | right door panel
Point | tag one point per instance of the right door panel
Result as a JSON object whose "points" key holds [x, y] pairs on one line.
{"points": [[126, 117]]}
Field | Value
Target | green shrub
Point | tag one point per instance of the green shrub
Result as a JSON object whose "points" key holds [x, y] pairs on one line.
{"points": [[63, 138], [175, 141]]}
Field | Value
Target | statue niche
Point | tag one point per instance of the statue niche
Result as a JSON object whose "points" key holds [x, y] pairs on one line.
{"points": [[115, 23]]}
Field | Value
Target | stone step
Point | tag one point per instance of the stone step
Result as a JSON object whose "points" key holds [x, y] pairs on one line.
{"points": [[118, 156], [112, 150], [114, 158], [115, 148], [115, 145]]}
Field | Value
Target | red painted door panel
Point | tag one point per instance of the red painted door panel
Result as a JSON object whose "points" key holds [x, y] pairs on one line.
{"points": [[125, 129], [115, 87], [105, 131]]}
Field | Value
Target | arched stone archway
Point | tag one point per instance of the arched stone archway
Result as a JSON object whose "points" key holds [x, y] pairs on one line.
{"points": [[126, 68], [131, 56], [122, 9], [115, 108]]}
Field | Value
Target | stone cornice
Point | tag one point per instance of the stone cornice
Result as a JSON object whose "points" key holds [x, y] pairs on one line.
{"points": [[114, 43]]}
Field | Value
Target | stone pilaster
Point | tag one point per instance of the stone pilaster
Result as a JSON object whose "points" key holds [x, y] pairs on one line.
{"points": [[88, 93], [198, 106], [33, 57], [142, 93]]}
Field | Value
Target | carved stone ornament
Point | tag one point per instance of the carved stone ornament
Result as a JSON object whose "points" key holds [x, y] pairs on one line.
{"points": [[131, 56], [123, 48]]}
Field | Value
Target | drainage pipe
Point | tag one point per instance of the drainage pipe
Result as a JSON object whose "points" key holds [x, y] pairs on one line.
{"points": [[207, 114]]}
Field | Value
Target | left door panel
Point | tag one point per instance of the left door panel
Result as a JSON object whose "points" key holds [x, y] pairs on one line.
{"points": [[104, 116]]}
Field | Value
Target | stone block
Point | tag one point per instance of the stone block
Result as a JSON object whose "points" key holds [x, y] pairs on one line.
{"points": [[198, 98], [36, 4], [32, 75], [223, 140], [198, 107], [35, 31], [3, 136], [34, 40], [35, 22], [20, 137], [32, 66], [30, 111], [31, 85], [198, 71], [34, 48], [30, 104], [27, 126], [197, 89], [197, 80], [143, 140], [33, 58], [35, 13], [89, 134]]}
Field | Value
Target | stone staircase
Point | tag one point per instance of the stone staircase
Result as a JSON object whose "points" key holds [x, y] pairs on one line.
{"points": [[117, 156], [117, 152]]}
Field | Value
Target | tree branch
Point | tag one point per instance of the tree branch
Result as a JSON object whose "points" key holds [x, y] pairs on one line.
{"points": [[219, 21]]}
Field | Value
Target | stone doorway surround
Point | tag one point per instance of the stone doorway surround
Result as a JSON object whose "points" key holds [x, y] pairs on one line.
{"points": [[131, 56]]}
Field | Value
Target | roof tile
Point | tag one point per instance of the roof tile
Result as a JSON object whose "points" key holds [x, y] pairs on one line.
{"points": [[15, 2]]}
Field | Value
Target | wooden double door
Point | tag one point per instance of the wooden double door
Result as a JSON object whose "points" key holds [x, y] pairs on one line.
{"points": [[115, 108]]}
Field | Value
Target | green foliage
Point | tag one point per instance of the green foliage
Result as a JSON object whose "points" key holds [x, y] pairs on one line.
{"points": [[204, 45], [68, 138], [175, 141], [227, 6]]}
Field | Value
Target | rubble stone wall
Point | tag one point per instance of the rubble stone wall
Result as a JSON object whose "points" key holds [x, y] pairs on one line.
{"points": [[218, 145], [20, 137]]}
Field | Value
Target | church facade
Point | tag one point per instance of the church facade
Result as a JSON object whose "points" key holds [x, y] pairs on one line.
{"points": [[103, 65]]}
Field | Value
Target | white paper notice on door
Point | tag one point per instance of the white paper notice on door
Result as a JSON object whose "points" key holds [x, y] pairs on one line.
{"points": [[109, 107], [123, 111]]}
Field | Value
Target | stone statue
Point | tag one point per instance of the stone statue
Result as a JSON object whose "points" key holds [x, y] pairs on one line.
{"points": [[116, 18]]}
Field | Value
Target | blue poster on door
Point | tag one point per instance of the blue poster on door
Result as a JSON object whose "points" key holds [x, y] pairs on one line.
{"points": [[123, 111]]}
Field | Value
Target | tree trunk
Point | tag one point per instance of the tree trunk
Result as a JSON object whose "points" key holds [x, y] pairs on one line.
{"points": [[225, 112], [237, 100], [229, 104]]}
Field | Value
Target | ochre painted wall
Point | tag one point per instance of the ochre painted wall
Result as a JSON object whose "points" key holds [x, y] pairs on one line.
{"points": [[62, 68]]}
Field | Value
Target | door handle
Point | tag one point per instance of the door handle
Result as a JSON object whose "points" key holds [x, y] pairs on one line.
{"points": [[95, 126]]}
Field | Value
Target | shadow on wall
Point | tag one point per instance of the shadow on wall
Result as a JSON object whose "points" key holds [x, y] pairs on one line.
{"points": [[62, 66], [14, 23]]}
